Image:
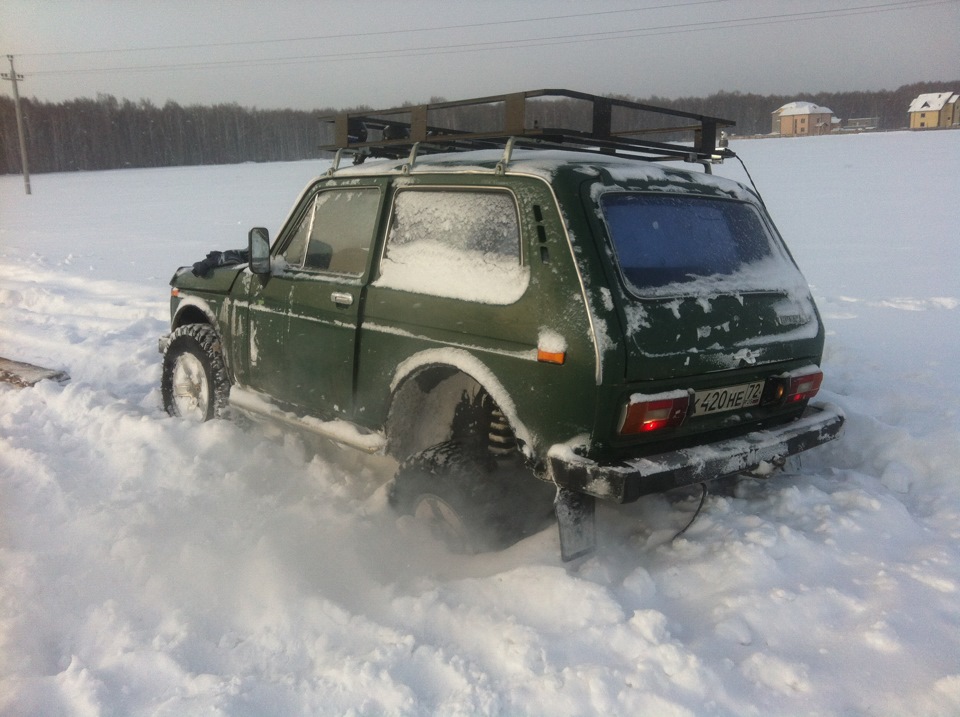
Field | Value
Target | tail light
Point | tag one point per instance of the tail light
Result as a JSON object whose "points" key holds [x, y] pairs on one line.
{"points": [[645, 413], [794, 386], [803, 384]]}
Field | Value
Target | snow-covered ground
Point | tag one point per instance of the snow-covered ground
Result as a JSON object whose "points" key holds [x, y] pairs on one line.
{"points": [[151, 567]]}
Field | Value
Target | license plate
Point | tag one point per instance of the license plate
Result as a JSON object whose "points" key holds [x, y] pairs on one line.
{"points": [[728, 398]]}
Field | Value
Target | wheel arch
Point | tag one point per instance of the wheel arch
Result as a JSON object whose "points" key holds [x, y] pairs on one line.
{"points": [[193, 310], [428, 385]]}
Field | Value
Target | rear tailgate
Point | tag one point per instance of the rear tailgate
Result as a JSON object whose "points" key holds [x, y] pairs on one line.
{"points": [[691, 336], [712, 307], [704, 283]]}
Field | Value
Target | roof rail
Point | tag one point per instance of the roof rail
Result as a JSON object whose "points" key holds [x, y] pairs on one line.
{"points": [[539, 119]]}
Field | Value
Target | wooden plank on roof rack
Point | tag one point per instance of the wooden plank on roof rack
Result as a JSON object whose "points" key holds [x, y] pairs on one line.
{"points": [[418, 123], [516, 113]]}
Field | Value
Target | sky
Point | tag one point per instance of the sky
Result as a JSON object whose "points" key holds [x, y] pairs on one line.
{"points": [[338, 54]]}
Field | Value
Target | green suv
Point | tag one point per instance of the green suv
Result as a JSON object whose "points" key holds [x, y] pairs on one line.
{"points": [[526, 328]]}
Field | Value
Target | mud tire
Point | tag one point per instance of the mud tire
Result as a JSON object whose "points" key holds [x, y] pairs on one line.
{"points": [[471, 501], [194, 382]]}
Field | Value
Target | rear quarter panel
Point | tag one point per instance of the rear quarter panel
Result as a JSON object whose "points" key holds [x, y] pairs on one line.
{"points": [[403, 332]]}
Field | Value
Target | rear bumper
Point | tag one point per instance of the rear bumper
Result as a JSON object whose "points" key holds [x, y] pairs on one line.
{"points": [[625, 481]]}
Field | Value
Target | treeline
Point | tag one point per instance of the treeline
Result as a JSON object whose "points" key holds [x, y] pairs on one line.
{"points": [[106, 133]]}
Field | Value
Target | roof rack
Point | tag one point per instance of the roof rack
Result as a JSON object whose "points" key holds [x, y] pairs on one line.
{"points": [[537, 119]]}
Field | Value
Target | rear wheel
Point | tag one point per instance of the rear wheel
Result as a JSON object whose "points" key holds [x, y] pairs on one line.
{"points": [[194, 381], [473, 495]]}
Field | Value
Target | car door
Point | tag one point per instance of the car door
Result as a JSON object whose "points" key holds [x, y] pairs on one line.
{"points": [[304, 317]]}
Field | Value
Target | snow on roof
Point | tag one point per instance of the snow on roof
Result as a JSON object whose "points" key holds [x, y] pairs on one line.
{"points": [[803, 108], [932, 101], [546, 164]]}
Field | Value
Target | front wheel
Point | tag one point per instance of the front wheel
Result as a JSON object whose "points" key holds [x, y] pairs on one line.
{"points": [[194, 381]]}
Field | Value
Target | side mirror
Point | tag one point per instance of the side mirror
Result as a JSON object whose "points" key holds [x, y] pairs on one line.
{"points": [[259, 243]]}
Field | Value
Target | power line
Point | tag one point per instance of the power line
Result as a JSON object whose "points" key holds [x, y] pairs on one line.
{"points": [[376, 33], [575, 38]]}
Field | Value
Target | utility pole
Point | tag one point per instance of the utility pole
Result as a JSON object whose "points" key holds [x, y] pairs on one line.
{"points": [[13, 77]]}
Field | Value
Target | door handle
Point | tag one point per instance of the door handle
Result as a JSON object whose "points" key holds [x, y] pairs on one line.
{"points": [[341, 298]]}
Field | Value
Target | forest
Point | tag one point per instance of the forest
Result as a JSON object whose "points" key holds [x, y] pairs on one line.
{"points": [[107, 133]]}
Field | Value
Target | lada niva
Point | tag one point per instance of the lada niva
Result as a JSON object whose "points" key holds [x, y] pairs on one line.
{"points": [[525, 329]]}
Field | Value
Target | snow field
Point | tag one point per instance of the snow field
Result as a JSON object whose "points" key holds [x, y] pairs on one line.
{"points": [[153, 567]]}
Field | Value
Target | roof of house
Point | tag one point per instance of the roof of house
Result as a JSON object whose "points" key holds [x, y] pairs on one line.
{"points": [[802, 108], [932, 101]]}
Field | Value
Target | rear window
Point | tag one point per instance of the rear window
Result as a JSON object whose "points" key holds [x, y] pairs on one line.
{"points": [[664, 243]]}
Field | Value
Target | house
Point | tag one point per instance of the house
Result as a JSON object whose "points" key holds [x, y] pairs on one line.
{"points": [[861, 124], [935, 109], [803, 118]]}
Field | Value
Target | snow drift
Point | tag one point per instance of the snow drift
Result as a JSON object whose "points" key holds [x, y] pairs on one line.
{"points": [[153, 567]]}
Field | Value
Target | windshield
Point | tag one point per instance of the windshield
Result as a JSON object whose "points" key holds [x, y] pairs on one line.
{"points": [[665, 241]]}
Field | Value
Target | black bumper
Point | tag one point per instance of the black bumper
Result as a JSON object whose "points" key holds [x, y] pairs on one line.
{"points": [[625, 481]]}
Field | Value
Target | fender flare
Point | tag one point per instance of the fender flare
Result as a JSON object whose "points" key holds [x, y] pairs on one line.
{"points": [[468, 364], [189, 303]]}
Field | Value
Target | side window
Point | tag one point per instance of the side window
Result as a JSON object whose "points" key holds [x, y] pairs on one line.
{"points": [[461, 244], [335, 234], [293, 252]]}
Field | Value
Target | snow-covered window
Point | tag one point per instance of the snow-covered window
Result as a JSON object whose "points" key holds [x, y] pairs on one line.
{"points": [[336, 232], [461, 244], [666, 243]]}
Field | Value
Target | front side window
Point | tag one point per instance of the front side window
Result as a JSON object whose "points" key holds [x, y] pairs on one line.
{"points": [[335, 233], [461, 244], [665, 244]]}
